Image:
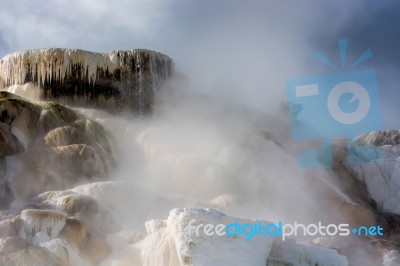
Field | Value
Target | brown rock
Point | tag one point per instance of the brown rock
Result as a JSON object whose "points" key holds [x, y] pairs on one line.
{"points": [[34, 182], [63, 136], [76, 160], [96, 248], [10, 227], [74, 231], [74, 204], [12, 244], [19, 252]]}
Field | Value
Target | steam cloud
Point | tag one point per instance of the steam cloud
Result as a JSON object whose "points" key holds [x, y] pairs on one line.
{"points": [[199, 150]]}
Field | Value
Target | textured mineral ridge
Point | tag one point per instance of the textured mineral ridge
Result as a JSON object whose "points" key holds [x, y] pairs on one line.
{"points": [[119, 81]]}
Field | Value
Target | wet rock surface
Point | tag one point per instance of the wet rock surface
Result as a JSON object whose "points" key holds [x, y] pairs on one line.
{"points": [[48, 146]]}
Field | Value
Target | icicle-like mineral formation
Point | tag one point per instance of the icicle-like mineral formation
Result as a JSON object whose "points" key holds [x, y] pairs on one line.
{"points": [[38, 224], [117, 81]]}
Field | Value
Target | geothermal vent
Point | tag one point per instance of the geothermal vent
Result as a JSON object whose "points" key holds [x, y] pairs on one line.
{"points": [[119, 81]]}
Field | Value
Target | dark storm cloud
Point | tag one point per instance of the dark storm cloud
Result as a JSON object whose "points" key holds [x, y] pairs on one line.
{"points": [[375, 25]]}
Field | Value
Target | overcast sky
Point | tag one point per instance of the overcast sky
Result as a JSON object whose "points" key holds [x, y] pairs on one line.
{"points": [[240, 50]]}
